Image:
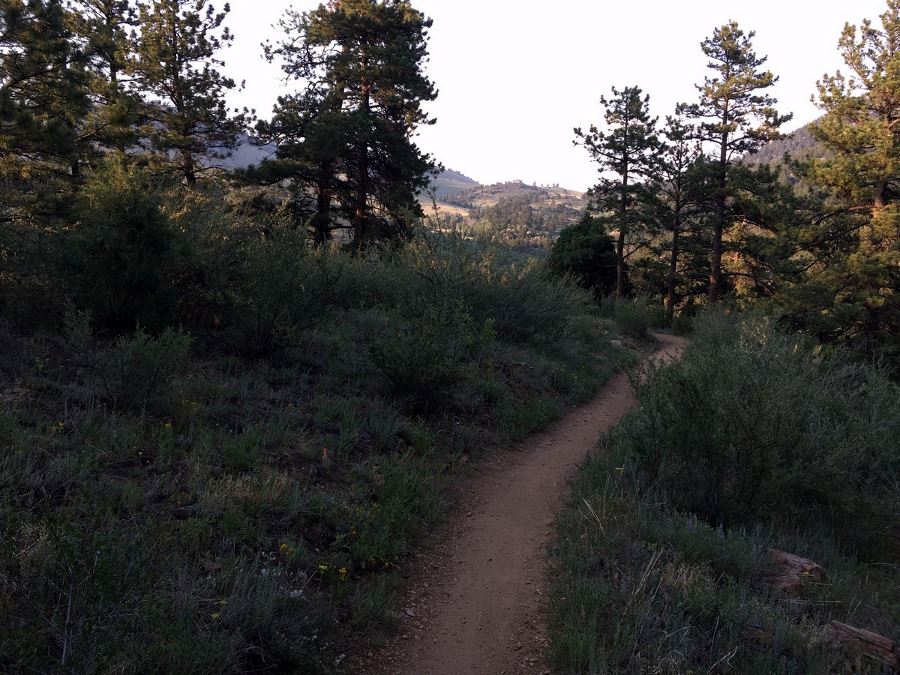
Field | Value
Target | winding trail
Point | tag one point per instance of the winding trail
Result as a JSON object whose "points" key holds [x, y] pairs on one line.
{"points": [[476, 602]]}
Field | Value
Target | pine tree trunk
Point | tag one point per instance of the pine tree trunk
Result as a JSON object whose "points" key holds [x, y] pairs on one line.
{"points": [[673, 274], [715, 271], [620, 264], [322, 219], [189, 172], [623, 219], [360, 216]]}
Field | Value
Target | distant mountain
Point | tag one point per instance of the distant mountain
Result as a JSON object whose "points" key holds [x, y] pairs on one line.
{"points": [[516, 213], [799, 144], [250, 152], [451, 183]]}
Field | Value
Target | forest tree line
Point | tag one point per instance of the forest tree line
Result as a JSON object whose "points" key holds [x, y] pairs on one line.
{"points": [[694, 220], [113, 114]]}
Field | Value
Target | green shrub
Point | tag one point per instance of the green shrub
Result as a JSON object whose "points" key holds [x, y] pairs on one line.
{"points": [[138, 371], [634, 316], [640, 587], [287, 288], [424, 356], [123, 251], [752, 424], [683, 324]]}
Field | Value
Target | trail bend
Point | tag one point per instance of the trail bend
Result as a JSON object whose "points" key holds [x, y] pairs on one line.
{"points": [[476, 601]]}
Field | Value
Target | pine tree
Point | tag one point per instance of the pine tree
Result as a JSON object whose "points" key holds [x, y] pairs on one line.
{"points": [[735, 117], [309, 128], [43, 101], [675, 196], [851, 249], [310, 136], [176, 67], [860, 127], [105, 29], [366, 58], [627, 147]]}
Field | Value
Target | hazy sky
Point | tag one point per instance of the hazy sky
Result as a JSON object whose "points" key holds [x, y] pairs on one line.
{"points": [[515, 76]]}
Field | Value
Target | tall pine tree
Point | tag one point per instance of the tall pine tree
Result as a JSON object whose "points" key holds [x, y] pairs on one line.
{"points": [[309, 128], [365, 60], [177, 70], [626, 147], [43, 102], [105, 30], [851, 250], [676, 199], [735, 116]]}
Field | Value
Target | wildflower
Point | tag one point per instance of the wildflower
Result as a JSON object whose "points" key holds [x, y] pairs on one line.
{"points": [[284, 549], [323, 568], [167, 425], [343, 573], [216, 616]]}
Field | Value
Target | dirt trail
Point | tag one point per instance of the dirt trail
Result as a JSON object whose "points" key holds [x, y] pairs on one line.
{"points": [[475, 605]]}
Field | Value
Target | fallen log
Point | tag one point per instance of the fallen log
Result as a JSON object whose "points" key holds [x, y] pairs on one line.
{"points": [[792, 571], [869, 644]]}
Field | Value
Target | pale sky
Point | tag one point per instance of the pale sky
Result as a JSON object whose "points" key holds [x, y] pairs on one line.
{"points": [[516, 76]]}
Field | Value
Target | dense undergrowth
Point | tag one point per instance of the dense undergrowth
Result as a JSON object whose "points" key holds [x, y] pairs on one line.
{"points": [[755, 440], [235, 486]]}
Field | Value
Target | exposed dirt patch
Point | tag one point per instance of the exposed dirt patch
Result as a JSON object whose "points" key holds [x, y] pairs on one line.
{"points": [[475, 604]]}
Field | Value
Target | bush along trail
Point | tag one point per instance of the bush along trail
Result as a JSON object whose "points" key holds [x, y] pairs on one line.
{"points": [[742, 518], [476, 601]]}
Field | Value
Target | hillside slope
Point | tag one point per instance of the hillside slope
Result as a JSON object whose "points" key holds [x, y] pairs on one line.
{"points": [[514, 213]]}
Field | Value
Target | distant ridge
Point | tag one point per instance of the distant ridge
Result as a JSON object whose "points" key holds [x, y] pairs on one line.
{"points": [[449, 183], [249, 152], [799, 144]]}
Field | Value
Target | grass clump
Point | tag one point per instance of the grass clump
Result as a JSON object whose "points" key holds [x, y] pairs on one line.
{"points": [[752, 441]]}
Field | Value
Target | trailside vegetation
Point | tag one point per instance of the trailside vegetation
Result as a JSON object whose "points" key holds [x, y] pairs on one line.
{"points": [[755, 447], [231, 402]]}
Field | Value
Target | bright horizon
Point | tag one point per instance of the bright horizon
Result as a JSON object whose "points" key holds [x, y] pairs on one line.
{"points": [[515, 78]]}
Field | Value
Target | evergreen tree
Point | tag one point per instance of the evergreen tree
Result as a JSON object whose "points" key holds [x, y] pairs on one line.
{"points": [[310, 136], [105, 28], [735, 117], [43, 101], [364, 59], [675, 191], [851, 249], [176, 68], [585, 252], [309, 128], [627, 147]]}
